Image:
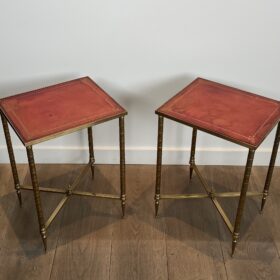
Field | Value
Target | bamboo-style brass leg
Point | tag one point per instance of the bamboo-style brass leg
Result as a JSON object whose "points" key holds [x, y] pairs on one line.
{"points": [[37, 195], [91, 151], [271, 167], [242, 199], [122, 164], [12, 158], [159, 163], [192, 156]]}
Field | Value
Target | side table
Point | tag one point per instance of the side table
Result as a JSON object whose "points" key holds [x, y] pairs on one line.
{"points": [[232, 114], [53, 111]]}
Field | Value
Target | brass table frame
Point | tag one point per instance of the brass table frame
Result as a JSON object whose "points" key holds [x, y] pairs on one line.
{"points": [[234, 229], [69, 190]]}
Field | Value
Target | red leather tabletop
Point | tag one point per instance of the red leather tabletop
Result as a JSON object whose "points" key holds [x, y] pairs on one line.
{"points": [[65, 107], [230, 113]]}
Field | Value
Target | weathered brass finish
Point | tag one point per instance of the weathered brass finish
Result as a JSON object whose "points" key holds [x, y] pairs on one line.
{"points": [[97, 195], [242, 198], [203, 195], [12, 157], [271, 166], [122, 163], [69, 190], [56, 210], [73, 192], [210, 193], [78, 178], [183, 196], [202, 180], [192, 156], [91, 151], [37, 195], [222, 213], [41, 189], [159, 163]]}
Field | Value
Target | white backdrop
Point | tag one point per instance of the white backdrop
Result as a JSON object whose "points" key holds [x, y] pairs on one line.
{"points": [[141, 53]]}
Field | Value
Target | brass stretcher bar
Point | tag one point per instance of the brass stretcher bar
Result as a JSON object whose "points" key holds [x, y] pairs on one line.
{"points": [[69, 191], [210, 194]]}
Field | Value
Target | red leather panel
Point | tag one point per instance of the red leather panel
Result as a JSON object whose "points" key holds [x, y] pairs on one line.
{"points": [[40, 113], [234, 114]]}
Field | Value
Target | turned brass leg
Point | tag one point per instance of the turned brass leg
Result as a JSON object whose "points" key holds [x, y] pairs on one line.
{"points": [[91, 151], [12, 157], [242, 199], [159, 163], [37, 195], [271, 166], [192, 156], [122, 163]]}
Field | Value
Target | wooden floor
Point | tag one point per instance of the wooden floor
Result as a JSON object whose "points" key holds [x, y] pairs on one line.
{"points": [[89, 240]]}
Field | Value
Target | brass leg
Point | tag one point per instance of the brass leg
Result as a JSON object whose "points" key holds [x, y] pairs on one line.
{"points": [[242, 198], [271, 166], [37, 195], [12, 157], [122, 163], [159, 163], [91, 152], [192, 156]]}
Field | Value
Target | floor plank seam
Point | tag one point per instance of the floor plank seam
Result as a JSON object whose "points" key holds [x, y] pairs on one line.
{"points": [[167, 263], [217, 217], [111, 250], [224, 260], [58, 236], [59, 231]]}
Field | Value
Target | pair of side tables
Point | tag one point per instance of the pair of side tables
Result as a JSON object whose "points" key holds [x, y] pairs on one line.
{"points": [[232, 114]]}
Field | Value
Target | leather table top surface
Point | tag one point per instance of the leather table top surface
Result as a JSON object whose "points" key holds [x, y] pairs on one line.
{"points": [[238, 116], [54, 110]]}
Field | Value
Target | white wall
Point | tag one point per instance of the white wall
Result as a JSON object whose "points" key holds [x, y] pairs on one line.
{"points": [[142, 53]]}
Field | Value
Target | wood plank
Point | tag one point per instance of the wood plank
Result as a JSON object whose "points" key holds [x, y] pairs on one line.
{"points": [[84, 246], [272, 207], [256, 255], [7, 188], [138, 246], [89, 240], [193, 241], [22, 255]]}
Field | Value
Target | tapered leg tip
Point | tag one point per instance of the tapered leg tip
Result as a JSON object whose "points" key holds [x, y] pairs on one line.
{"points": [[262, 206], [191, 173], [233, 248], [92, 173], [123, 210], [20, 202], [123, 213], [45, 245], [232, 252], [156, 211]]}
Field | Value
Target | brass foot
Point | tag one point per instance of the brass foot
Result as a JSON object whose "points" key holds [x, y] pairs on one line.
{"points": [[156, 208], [45, 244], [234, 242], [265, 194], [123, 199], [92, 172], [156, 204], [191, 172], [19, 198], [44, 238]]}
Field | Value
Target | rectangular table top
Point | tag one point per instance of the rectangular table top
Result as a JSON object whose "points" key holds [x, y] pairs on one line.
{"points": [[238, 116], [41, 114]]}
